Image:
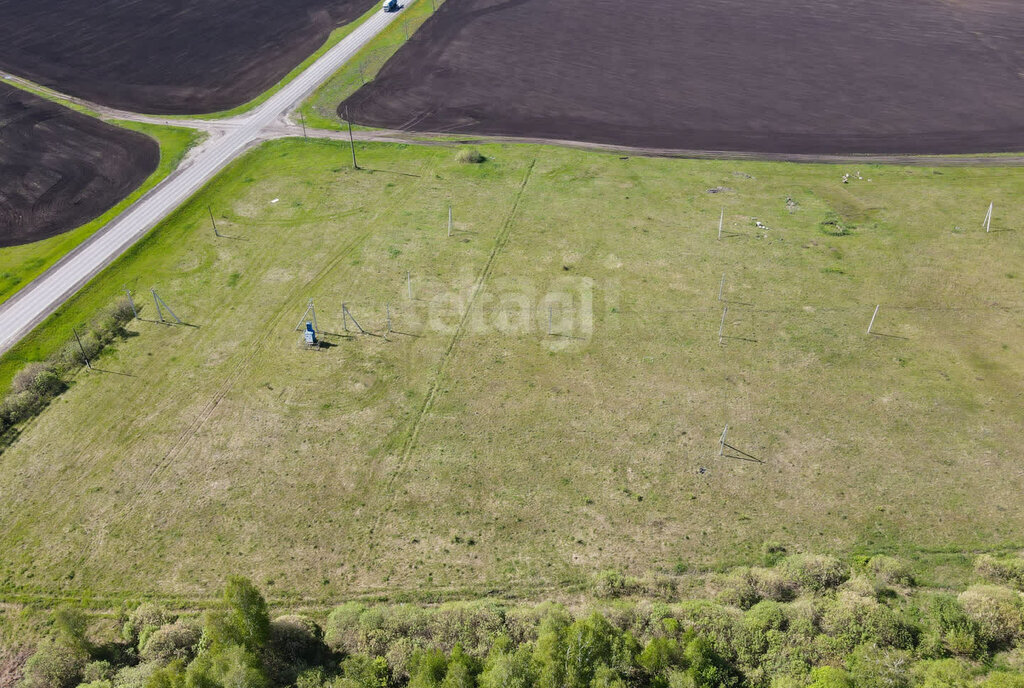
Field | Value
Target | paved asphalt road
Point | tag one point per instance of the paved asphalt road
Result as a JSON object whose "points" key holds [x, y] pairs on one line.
{"points": [[40, 298]]}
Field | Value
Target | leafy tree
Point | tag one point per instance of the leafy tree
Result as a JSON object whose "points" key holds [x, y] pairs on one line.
{"points": [[72, 626], [232, 666], [462, 670], [589, 644], [170, 676], [243, 619], [706, 667], [549, 653], [661, 655], [427, 669], [509, 669], [366, 672]]}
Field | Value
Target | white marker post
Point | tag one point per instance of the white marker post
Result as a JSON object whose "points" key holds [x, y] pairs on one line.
{"points": [[722, 326], [721, 441], [449, 220], [875, 315], [721, 220], [987, 224]]}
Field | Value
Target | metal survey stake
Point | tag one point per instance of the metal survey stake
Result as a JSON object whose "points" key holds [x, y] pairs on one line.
{"points": [[873, 316]]}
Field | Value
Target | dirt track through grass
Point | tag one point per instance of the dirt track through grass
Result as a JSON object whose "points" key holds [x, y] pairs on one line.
{"points": [[410, 442], [475, 451]]}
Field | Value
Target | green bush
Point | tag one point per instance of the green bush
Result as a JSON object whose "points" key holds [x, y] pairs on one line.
{"points": [[470, 625], [891, 570], [996, 610], [231, 667], [1003, 679], [815, 573], [509, 668], [97, 671], [949, 630], [54, 665], [146, 616], [296, 644], [1006, 570], [874, 667], [830, 677], [342, 629], [469, 156], [364, 672], [25, 378], [169, 642], [137, 676], [611, 584], [942, 673]]}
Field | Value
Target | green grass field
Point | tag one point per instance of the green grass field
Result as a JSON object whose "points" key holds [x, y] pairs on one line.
{"points": [[472, 451], [19, 265]]}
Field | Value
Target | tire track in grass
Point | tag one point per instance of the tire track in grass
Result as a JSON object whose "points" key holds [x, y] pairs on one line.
{"points": [[409, 443]]}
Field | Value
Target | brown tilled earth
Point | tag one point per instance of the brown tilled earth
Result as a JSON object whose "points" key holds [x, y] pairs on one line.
{"points": [[60, 169], [785, 76], [165, 56]]}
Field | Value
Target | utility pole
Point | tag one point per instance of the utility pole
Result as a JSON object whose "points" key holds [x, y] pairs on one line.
{"points": [[131, 301], [351, 141], [212, 221], [302, 119], [84, 355]]}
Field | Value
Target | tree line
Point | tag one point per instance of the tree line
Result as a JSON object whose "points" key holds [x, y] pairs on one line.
{"points": [[806, 622]]}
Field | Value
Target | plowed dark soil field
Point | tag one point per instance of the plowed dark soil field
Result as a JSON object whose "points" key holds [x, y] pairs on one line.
{"points": [[165, 56], [60, 169], [807, 76]]}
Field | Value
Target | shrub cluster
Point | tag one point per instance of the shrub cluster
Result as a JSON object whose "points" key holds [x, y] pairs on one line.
{"points": [[809, 621], [469, 156], [37, 384]]}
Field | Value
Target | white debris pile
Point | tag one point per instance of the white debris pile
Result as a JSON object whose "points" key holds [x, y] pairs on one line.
{"points": [[856, 175]]}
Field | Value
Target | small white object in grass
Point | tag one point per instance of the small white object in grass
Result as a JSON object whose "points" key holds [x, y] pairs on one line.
{"points": [[275, 200]]}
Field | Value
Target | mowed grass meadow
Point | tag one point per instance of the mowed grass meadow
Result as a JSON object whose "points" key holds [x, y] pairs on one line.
{"points": [[549, 402]]}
